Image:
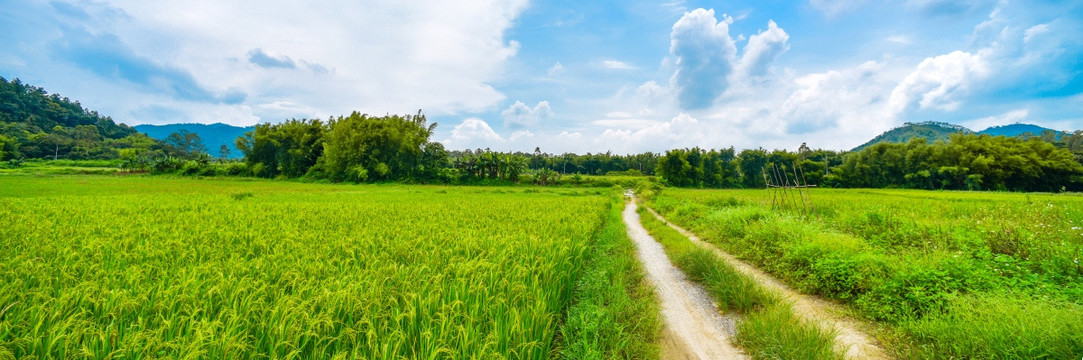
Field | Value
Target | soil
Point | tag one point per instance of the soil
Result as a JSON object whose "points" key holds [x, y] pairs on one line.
{"points": [[694, 327], [849, 339]]}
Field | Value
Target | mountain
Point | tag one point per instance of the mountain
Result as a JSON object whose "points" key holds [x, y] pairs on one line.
{"points": [[1016, 130], [930, 130], [213, 135]]}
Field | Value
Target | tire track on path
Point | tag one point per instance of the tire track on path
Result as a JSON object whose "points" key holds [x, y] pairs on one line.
{"points": [[694, 327], [849, 339]]}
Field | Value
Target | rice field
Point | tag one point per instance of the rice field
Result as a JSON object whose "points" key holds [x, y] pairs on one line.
{"points": [[140, 267], [940, 274]]}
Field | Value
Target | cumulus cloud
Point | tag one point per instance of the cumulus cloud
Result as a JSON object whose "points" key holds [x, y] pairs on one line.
{"points": [[520, 115], [762, 49], [846, 102], [472, 129], [1021, 48], [940, 82], [475, 133], [705, 54], [683, 130], [651, 94], [707, 64]]}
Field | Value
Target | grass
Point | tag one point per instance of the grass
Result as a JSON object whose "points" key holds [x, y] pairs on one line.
{"points": [[767, 328], [136, 267], [614, 314], [922, 263]]}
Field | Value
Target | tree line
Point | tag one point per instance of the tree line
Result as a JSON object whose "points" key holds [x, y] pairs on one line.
{"points": [[964, 162], [364, 148], [354, 148]]}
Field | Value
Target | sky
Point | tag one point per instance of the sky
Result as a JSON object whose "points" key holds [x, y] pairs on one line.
{"points": [[565, 76]]}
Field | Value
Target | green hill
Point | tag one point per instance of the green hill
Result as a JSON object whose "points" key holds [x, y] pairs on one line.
{"points": [[930, 130], [37, 124]]}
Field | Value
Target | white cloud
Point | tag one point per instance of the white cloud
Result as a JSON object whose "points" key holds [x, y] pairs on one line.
{"points": [[704, 53], [555, 70], [1011, 117], [475, 133], [617, 65], [1033, 31], [939, 82], [520, 135], [683, 130], [706, 60], [472, 129], [762, 49], [845, 103], [521, 115], [337, 57]]}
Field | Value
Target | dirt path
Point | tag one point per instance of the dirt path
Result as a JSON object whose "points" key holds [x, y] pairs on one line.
{"points": [[694, 328], [849, 340]]}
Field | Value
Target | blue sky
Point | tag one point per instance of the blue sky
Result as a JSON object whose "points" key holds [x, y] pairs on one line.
{"points": [[621, 76]]}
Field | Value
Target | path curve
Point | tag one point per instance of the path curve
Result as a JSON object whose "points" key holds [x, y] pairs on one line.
{"points": [[849, 340], [694, 328]]}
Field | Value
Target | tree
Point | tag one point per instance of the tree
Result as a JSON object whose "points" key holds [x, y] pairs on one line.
{"points": [[363, 148], [752, 164], [87, 138], [184, 144], [223, 152], [55, 140], [9, 147]]}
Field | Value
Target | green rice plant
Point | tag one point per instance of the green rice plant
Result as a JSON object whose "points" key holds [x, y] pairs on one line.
{"points": [[137, 267]]}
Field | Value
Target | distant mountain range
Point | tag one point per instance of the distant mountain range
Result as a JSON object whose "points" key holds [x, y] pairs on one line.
{"points": [[933, 131], [213, 135]]}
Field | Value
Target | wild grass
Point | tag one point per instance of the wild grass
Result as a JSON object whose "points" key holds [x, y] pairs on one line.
{"points": [[140, 267], [917, 261], [767, 328], [614, 314]]}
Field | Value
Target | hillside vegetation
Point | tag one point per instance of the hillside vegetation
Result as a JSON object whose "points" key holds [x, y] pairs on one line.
{"points": [[931, 131], [36, 124]]}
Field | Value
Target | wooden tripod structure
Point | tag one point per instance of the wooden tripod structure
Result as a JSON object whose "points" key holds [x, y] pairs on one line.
{"points": [[787, 192]]}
